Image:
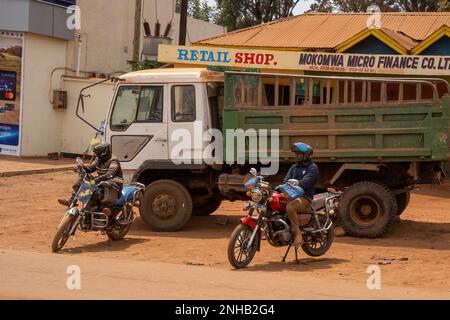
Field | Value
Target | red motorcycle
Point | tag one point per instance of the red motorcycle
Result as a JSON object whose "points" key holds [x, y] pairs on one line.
{"points": [[267, 216]]}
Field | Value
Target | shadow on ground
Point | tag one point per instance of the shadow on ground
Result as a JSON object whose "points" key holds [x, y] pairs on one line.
{"points": [[105, 245], [303, 265]]}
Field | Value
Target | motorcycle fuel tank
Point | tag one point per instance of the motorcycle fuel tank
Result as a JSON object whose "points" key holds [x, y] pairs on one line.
{"points": [[278, 202]]}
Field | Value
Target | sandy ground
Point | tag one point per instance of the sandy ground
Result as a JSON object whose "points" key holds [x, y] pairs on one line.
{"points": [[14, 164], [414, 255]]}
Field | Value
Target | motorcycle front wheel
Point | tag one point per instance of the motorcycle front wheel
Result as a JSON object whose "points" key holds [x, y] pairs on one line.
{"points": [[62, 234], [239, 255]]}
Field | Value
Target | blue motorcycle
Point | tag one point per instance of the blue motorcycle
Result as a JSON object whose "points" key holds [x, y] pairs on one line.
{"points": [[86, 213]]}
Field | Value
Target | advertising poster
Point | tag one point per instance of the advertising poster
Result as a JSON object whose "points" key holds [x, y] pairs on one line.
{"points": [[11, 52]]}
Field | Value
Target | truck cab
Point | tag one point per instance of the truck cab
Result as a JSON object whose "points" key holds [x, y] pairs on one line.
{"points": [[151, 112]]}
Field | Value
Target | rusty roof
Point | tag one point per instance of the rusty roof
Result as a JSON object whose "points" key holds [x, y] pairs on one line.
{"points": [[402, 39], [328, 30]]}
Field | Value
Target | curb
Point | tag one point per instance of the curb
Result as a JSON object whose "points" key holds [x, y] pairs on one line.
{"points": [[33, 171]]}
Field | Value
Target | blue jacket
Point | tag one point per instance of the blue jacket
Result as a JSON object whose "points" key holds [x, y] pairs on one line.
{"points": [[307, 175]]}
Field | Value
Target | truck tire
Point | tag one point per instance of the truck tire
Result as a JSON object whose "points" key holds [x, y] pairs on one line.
{"points": [[368, 208], [207, 208], [402, 202], [166, 206]]}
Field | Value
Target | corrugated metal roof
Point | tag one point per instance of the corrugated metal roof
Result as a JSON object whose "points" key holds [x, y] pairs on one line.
{"points": [[405, 41], [328, 30]]}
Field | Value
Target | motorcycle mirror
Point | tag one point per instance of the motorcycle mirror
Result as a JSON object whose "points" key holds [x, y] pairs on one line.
{"points": [[293, 182], [253, 172]]}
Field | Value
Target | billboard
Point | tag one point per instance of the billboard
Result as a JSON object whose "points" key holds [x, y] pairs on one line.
{"points": [[306, 61], [11, 55]]}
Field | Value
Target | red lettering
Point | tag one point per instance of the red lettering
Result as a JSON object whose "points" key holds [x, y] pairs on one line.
{"points": [[238, 57], [249, 58], [259, 58], [269, 58]]}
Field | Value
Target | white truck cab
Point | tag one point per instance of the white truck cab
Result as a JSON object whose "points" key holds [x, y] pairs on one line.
{"points": [[148, 109]]}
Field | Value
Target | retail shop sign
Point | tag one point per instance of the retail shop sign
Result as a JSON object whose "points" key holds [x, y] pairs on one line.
{"points": [[305, 61]]}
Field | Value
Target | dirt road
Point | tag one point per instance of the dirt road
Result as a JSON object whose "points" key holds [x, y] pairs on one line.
{"points": [[44, 276], [414, 256]]}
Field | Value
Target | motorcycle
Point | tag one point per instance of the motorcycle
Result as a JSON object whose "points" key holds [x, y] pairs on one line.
{"points": [[267, 217], [85, 211]]}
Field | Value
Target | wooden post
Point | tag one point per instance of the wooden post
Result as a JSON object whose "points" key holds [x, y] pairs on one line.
{"points": [[183, 22], [137, 30]]}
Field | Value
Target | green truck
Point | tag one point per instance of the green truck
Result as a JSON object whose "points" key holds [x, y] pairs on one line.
{"points": [[373, 138]]}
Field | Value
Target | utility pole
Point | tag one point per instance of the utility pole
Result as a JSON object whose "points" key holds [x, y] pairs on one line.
{"points": [[137, 30], [183, 22]]}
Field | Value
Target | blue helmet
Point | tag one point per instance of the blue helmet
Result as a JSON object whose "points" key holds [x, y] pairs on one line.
{"points": [[304, 149]]}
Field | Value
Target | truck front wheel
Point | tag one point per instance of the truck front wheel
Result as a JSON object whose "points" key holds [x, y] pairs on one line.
{"points": [[166, 206], [367, 209]]}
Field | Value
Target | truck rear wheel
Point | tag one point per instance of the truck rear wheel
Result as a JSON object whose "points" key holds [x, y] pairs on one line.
{"points": [[166, 206], [402, 202], [207, 208], [368, 208]]}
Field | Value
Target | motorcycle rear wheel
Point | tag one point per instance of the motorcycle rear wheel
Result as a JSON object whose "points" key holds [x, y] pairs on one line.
{"points": [[239, 239], [317, 244], [62, 234], [118, 233]]}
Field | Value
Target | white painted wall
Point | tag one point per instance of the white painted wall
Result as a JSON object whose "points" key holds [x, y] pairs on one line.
{"points": [[41, 124], [107, 30], [75, 134]]}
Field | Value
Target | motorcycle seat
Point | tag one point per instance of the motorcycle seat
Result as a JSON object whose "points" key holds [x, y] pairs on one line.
{"points": [[319, 201]]}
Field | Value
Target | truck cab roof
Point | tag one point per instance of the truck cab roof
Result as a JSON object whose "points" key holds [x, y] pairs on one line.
{"points": [[173, 75]]}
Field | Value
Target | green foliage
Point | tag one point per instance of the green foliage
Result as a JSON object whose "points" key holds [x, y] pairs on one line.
{"points": [[198, 9], [237, 14], [144, 65]]}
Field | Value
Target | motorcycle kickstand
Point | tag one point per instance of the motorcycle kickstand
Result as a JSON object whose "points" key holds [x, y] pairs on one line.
{"points": [[287, 252]]}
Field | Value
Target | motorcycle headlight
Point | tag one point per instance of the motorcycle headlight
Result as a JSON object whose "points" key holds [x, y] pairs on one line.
{"points": [[73, 211], [256, 195]]}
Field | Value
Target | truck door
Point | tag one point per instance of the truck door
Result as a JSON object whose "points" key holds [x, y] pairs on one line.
{"points": [[188, 120], [137, 126]]}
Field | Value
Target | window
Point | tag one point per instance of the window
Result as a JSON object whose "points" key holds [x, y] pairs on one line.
{"points": [[135, 103], [183, 103], [150, 105], [125, 107]]}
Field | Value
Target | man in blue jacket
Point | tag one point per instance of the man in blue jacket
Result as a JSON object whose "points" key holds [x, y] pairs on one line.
{"points": [[307, 173]]}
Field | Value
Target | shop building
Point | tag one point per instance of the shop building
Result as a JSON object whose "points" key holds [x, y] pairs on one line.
{"points": [[44, 64]]}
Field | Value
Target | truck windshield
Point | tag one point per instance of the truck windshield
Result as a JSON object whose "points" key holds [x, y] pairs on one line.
{"points": [[137, 104]]}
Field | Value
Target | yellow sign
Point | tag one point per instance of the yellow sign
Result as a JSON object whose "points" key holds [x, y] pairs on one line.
{"points": [[306, 61]]}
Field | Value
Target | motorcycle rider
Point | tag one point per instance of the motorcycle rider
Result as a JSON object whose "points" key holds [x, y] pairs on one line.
{"points": [[108, 169], [307, 173]]}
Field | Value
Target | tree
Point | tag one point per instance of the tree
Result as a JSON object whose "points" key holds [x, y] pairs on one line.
{"points": [[444, 5], [237, 14], [198, 9]]}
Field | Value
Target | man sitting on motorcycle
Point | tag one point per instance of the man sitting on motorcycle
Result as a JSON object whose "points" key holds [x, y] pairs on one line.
{"points": [[108, 170], [307, 173]]}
